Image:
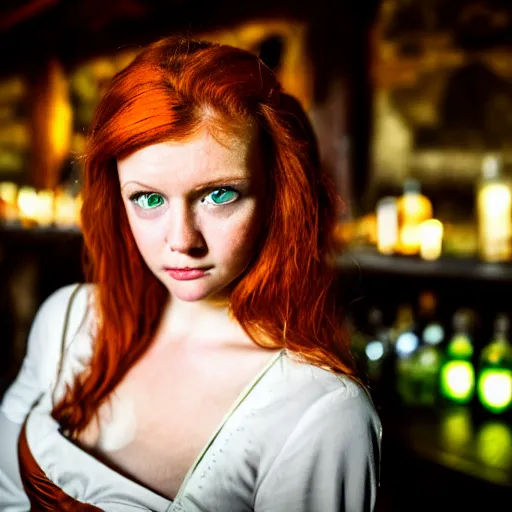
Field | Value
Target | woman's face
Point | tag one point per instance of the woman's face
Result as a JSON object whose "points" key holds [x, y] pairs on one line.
{"points": [[195, 204]]}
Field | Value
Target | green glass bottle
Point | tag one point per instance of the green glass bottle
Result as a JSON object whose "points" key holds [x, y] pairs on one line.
{"points": [[406, 342], [427, 360], [378, 345], [494, 385], [457, 375]]}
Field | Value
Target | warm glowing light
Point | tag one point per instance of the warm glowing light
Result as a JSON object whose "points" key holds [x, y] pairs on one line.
{"points": [[44, 215], [8, 200], [387, 225], [496, 199], [413, 209], [8, 192], [431, 239], [495, 221], [409, 239], [59, 114], [65, 209], [78, 208], [59, 128], [28, 203]]}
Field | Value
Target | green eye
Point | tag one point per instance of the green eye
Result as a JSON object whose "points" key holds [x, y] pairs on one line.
{"points": [[225, 195], [148, 201]]}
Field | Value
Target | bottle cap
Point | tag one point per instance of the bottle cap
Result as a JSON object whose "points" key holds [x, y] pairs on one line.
{"points": [[463, 320], [501, 324], [404, 316], [491, 166], [427, 302], [375, 317], [412, 186]]}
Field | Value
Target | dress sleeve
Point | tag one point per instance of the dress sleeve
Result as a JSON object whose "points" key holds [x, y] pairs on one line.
{"points": [[330, 462], [36, 376]]}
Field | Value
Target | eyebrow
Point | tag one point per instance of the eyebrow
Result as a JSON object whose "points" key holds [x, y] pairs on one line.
{"points": [[208, 184]]}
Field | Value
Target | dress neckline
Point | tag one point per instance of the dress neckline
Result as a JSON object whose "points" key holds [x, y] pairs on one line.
{"points": [[153, 494], [241, 397]]}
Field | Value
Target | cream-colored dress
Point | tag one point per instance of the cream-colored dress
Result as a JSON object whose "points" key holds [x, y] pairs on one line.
{"points": [[298, 438]]}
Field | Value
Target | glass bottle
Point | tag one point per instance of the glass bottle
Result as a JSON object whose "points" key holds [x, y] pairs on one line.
{"points": [[457, 374], [413, 209], [427, 359], [387, 225], [494, 386], [406, 343], [494, 212], [378, 345]]}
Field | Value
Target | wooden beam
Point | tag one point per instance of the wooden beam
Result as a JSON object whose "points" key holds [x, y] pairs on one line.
{"points": [[24, 13]]}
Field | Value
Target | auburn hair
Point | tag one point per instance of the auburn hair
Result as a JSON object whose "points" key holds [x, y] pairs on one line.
{"points": [[285, 297]]}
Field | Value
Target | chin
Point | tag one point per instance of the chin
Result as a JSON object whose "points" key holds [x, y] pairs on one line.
{"points": [[216, 296], [191, 291], [188, 295]]}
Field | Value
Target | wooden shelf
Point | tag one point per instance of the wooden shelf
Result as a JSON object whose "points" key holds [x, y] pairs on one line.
{"points": [[453, 439], [368, 261], [15, 234]]}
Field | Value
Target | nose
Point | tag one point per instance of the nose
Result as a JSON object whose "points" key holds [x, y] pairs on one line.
{"points": [[183, 234]]}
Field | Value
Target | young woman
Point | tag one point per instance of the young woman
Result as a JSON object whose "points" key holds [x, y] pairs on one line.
{"points": [[206, 368]]}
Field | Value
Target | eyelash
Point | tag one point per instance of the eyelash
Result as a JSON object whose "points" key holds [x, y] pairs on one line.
{"points": [[133, 197]]}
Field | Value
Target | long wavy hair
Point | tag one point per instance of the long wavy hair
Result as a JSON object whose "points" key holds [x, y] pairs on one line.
{"points": [[285, 297]]}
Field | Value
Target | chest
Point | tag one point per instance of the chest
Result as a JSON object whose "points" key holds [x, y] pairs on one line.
{"points": [[163, 414]]}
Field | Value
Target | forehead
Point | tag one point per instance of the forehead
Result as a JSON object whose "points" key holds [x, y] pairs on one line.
{"points": [[206, 155]]}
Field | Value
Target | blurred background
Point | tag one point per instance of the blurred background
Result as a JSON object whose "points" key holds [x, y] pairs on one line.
{"points": [[412, 104]]}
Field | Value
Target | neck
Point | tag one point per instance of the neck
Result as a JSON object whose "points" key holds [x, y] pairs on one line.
{"points": [[197, 322]]}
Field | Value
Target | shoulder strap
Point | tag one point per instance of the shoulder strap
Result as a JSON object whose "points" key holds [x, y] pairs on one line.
{"points": [[65, 331]]}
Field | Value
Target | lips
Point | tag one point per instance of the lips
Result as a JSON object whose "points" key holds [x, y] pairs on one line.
{"points": [[187, 275], [184, 269]]}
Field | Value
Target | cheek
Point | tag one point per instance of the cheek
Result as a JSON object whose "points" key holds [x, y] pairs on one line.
{"points": [[237, 240], [145, 234]]}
